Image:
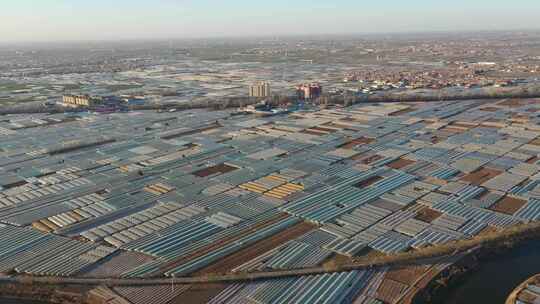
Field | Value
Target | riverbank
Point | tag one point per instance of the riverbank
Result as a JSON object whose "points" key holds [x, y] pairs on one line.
{"points": [[515, 293], [41, 294], [487, 276]]}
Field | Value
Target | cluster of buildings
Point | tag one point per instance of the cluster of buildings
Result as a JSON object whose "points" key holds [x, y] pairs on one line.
{"points": [[260, 90], [101, 102], [211, 192], [81, 101], [306, 91], [375, 65], [413, 78]]}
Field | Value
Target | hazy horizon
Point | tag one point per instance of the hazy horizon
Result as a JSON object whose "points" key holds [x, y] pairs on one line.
{"points": [[77, 20]]}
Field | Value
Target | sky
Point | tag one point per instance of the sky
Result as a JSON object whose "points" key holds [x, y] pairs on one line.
{"points": [[62, 20]]}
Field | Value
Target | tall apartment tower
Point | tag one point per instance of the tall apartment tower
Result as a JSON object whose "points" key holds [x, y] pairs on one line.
{"points": [[259, 89], [308, 91]]}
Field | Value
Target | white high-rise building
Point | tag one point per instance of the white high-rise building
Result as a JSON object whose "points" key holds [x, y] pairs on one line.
{"points": [[259, 89]]}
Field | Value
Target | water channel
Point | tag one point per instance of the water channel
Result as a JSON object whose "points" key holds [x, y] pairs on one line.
{"points": [[496, 277]]}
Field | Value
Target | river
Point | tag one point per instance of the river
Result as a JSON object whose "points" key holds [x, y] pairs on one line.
{"points": [[496, 277]]}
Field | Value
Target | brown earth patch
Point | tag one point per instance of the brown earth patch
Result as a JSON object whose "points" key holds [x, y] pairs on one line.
{"points": [[327, 130], [535, 142], [358, 141], [236, 259], [508, 205], [401, 112], [367, 159], [533, 160], [512, 103], [368, 182], [221, 168], [221, 243], [489, 109], [199, 294], [407, 275], [428, 277], [400, 163], [427, 215], [311, 132], [389, 291], [480, 176], [453, 130]]}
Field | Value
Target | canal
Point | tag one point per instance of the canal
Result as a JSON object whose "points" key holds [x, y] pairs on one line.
{"points": [[496, 277]]}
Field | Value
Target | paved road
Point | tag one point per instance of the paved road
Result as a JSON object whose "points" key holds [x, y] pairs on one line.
{"points": [[203, 279]]}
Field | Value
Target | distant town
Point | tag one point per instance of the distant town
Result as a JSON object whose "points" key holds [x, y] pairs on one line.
{"points": [[194, 71]]}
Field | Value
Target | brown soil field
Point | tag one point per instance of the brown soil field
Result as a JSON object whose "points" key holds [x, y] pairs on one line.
{"points": [[489, 109], [366, 160], [512, 103], [372, 253], [368, 254], [508, 205], [282, 129], [404, 111], [191, 132], [436, 139], [368, 182], [236, 259], [489, 230], [407, 275], [220, 243], [199, 294], [390, 290], [323, 129], [533, 160], [519, 116], [311, 132], [535, 142], [480, 176], [454, 130], [427, 215], [355, 142], [222, 168], [461, 124], [400, 163], [435, 181], [433, 272], [47, 294], [336, 259]]}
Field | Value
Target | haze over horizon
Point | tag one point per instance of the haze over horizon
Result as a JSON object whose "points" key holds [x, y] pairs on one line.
{"points": [[54, 20]]}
